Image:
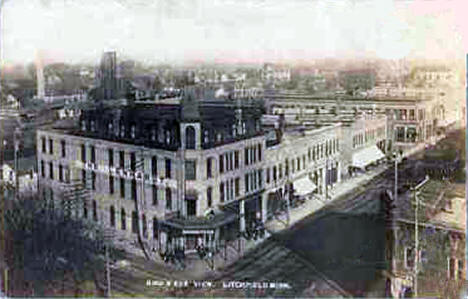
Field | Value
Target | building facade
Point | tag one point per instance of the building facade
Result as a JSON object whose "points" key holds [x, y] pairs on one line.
{"points": [[175, 175]]}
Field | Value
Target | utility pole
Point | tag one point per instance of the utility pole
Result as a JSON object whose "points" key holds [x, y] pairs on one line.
{"points": [[16, 144], [416, 233], [109, 294]]}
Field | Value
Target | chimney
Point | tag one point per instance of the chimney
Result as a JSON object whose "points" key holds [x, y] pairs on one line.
{"points": [[40, 75]]}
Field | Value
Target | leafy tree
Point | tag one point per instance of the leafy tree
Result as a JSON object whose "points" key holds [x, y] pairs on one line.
{"points": [[46, 245]]}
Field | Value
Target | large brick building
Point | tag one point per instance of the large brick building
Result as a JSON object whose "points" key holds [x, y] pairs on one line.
{"points": [[168, 171]]}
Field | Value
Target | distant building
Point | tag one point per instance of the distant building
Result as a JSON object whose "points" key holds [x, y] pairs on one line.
{"points": [[108, 76]]}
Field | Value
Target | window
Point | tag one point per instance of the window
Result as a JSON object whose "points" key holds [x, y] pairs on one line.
{"points": [[110, 153], [259, 150], [93, 154], [461, 269], [154, 166], [286, 168], [132, 161], [221, 163], [112, 216], [209, 162], [221, 192], [209, 196], [93, 180], [246, 156], [190, 170], [44, 145], [409, 257], [122, 187], [85, 210], [155, 228], [400, 132], [280, 171], [95, 218], [83, 153], [268, 175], [236, 159], [168, 199], [109, 128], [237, 186], [83, 178], [260, 178], [64, 152], [155, 195], [168, 168], [451, 268], [42, 169], [134, 222], [298, 163], [190, 138], [51, 146], [122, 159], [134, 190], [145, 230], [132, 131], [123, 220], [412, 115], [231, 161], [60, 173], [411, 134], [51, 171], [111, 185]]}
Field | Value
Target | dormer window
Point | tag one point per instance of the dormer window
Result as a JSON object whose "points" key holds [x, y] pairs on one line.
{"points": [[244, 131], [218, 137], [93, 128], [234, 131], [83, 125], [122, 130], [153, 134], [110, 127], [132, 131], [206, 137], [168, 137]]}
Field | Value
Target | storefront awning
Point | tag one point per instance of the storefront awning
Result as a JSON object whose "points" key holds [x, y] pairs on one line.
{"points": [[367, 156], [303, 186]]}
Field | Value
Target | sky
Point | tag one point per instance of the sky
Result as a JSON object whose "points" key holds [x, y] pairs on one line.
{"points": [[229, 31]]}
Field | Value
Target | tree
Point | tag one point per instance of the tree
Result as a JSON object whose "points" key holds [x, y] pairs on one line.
{"points": [[46, 248]]}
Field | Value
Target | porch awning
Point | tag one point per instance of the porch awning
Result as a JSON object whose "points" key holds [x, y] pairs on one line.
{"points": [[367, 156], [303, 186]]}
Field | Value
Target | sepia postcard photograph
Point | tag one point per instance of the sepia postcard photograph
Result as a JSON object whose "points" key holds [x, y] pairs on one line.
{"points": [[233, 149]]}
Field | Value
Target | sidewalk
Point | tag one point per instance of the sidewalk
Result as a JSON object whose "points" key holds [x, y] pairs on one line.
{"points": [[312, 205]]}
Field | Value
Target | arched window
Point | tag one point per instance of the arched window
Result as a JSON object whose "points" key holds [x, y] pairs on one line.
{"points": [[190, 137], [112, 216], [123, 220]]}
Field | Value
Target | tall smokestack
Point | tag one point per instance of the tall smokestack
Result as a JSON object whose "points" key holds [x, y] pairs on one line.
{"points": [[40, 75]]}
